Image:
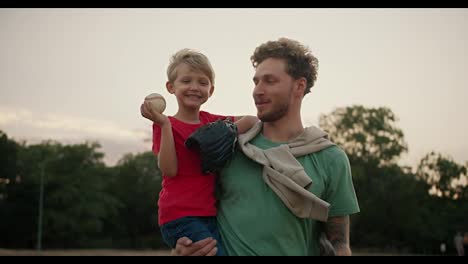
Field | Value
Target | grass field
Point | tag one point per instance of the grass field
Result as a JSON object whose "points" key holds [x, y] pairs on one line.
{"points": [[123, 252], [84, 252]]}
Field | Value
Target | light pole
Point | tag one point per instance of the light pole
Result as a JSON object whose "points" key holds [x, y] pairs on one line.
{"points": [[41, 205]]}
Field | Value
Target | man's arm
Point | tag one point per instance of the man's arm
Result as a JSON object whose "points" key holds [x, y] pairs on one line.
{"points": [[337, 231], [244, 123]]}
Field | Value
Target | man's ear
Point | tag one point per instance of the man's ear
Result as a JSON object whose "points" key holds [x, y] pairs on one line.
{"points": [[301, 85], [170, 87]]}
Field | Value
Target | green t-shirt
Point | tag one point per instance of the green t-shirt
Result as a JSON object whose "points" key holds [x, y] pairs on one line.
{"points": [[254, 221]]}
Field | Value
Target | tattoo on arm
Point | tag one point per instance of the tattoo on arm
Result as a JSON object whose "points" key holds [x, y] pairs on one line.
{"points": [[337, 231]]}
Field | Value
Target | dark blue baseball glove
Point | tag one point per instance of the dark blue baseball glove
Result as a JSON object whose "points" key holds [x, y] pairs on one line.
{"points": [[216, 143]]}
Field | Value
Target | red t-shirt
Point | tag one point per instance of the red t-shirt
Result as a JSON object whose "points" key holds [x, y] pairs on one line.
{"points": [[189, 193]]}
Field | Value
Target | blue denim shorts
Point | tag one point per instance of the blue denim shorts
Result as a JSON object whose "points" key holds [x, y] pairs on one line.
{"points": [[194, 227]]}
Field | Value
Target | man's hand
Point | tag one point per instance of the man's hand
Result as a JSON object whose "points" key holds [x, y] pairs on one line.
{"points": [[185, 247]]}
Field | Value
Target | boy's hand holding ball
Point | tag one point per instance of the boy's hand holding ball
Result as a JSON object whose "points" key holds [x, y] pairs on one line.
{"points": [[157, 102], [153, 108]]}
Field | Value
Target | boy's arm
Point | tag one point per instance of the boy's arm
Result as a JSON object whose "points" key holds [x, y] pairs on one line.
{"points": [[244, 123], [167, 159]]}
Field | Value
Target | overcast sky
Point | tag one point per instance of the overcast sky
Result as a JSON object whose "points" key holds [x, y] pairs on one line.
{"points": [[80, 74]]}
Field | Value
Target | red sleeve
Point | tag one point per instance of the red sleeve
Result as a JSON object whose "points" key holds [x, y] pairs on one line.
{"points": [[156, 139]]}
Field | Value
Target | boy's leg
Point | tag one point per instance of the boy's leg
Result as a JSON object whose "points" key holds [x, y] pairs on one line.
{"points": [[195, 228], [212, 225], [169, 232]]}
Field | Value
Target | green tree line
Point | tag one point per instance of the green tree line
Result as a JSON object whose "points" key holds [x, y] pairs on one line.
{"points": [[86, 204]]}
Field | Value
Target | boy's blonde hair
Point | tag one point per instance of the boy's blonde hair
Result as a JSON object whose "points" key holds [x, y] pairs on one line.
{"points": [[194, 59]]}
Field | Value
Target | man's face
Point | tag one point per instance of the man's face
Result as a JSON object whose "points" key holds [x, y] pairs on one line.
{"points": [[273, 90]]}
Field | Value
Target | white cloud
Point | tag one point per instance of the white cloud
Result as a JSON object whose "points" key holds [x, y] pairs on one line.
{"points": [[9, 116], [34, 127], [67, 126]]}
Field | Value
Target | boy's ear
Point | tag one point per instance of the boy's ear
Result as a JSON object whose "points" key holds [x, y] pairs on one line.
{"points": [[211, 90], [170, 87]]}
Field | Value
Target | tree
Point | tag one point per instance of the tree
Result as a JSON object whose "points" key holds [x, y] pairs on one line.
{"points": [[136, 184], [78, 204], [8, 158], [444, 176], [75, 202], [367, 134], [396, 210], [8, 177]]}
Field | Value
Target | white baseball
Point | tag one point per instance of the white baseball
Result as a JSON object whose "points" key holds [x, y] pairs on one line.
{"points": [[158, 103]]}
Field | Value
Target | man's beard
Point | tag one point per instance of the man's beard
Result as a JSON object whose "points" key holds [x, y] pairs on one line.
{"points": [[276, 113]]}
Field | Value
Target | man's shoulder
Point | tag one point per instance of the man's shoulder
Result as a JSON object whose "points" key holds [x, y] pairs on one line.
{"points": [[332, 153], [332, 157]]}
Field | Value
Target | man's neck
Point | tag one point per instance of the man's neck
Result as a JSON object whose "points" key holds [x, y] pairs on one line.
{"points": [[283, 130]]}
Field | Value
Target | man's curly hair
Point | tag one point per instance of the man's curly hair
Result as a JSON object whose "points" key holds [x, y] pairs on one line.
{"points": [[299, 59]]}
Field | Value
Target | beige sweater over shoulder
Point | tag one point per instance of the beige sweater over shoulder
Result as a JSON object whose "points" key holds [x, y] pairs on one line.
{"points": [[285, 175]]}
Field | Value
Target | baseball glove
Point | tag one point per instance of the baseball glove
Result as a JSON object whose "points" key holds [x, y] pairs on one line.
{"points": [[216, 143]]}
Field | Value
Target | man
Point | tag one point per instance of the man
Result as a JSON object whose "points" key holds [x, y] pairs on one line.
{"points": [[458, 241], [255, 215]]}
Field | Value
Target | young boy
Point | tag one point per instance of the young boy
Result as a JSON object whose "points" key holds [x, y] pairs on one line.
{"points": [[187, 205]]}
